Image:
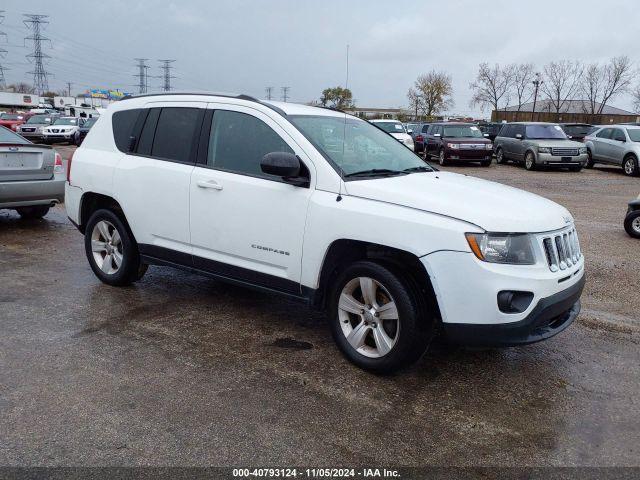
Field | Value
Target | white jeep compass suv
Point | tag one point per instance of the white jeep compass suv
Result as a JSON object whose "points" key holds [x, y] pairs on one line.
{"points": [[323, 207]]}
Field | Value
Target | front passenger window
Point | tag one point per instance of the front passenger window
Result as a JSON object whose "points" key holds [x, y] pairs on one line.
{"points": [[238, 142]]}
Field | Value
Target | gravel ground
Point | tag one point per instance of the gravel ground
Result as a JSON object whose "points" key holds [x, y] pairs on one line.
{"points": [[182, 370]]}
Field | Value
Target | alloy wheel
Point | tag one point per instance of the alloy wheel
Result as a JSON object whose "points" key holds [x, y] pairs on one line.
{"points": [[635, 225], [368, 317], [441, 157], [106, 245], [529, 161], [629, 166]]}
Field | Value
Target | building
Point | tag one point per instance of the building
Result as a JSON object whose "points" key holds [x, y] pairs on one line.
{"points": [[573, 111], [373, 113]]}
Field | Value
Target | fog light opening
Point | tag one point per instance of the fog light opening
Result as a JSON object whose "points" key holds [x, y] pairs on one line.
{"points": [[510, 301]]}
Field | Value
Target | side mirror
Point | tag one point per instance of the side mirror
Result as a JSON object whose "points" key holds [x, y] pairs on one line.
{"points": [[284, 165], [519, 136]]}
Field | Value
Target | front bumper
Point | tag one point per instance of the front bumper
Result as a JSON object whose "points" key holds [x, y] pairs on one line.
{"points": [[28, 193], [549, 317], [468, 155], [60, 137], [548, 160]]}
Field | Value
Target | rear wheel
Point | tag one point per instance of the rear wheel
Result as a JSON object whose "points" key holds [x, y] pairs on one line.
{"points": [[377, 319], [442, 159], [630, 166], [111, 249], [37, 211], [529, 161], [632, 224]]}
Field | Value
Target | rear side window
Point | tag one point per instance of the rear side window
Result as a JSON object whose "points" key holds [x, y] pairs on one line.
{"points": [[174, 136], [505, 131], [239, 141], [148, 131], [619, 135], [517, 130], [425, 128], [123, 123]]}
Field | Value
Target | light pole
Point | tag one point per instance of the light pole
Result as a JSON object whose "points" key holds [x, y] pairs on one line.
{"points": [[536, 84]]}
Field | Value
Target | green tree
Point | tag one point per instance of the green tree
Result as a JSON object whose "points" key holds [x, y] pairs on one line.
{"points": [[337, 97]]}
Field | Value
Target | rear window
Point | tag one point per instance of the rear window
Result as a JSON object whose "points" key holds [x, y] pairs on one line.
{"points": [[11, 116], [390, 127], [123, 123], [578, 130], [7, 136]]}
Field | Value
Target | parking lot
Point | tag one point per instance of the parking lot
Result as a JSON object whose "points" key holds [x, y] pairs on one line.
{"points": [[183, 370]]}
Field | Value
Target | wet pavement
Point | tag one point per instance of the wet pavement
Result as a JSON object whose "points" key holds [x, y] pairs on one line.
{"points": [[183, 370]]}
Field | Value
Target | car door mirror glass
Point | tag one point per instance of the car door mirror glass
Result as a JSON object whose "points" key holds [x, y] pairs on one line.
{"points": [[285, 165]]}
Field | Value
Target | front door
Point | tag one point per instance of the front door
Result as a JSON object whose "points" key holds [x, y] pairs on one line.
{"points": [[246, 224]]}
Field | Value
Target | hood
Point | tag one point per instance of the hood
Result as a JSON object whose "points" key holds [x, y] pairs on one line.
{"points": [[401, 136], [489, 205]]}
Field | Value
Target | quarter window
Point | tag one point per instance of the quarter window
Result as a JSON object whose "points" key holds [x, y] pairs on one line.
{"points": [[123, 123], [238, 142]]}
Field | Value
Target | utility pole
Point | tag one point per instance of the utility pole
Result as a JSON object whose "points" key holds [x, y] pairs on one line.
{"points": [[285, 93], [35, 23], [536, 84], [69, 88], [166, 75], [268, 91], [3, 52], [143, 83]]}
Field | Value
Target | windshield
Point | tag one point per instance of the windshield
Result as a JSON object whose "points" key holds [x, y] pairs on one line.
{"points": [[470, 131], [66, 121], [11, 116], [390, 127], [634, 134], [579, 130], [7, 136], [354, 145], [541, 132], [39, 119]]}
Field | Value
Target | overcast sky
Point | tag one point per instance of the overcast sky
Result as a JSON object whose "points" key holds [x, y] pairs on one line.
{"points": [[244, 46]]}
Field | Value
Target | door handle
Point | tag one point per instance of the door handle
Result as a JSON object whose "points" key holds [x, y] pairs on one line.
{"points": [[209, 184]]}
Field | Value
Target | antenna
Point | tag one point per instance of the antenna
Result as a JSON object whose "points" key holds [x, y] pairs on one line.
{"points": [[35, 23]]}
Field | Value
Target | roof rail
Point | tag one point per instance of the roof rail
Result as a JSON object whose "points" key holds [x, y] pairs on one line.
{"points": [[241, 96]]}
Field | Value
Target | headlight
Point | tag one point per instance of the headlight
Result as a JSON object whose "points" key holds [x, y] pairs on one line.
{"points": [[489, 146], [515, 249], [544, 149], [453, 146], [583, 150]]}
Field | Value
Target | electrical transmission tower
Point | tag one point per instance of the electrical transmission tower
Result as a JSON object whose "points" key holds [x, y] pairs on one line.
{"points": [[36, 23], [3, 83], [166, 74], [268, 91], [285, 93], [143, 79]]}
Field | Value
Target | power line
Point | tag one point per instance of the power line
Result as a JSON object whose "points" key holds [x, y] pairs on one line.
{"points": [[143, 82], [34, 23], [285, 93], [166, 75], [268, 92]]}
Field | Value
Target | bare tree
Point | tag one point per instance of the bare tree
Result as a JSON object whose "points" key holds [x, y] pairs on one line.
{"points": [[522, 76], [492, 85], [601, 83], [561, 82], [435, 92], [20, 87], [636, 99], [415, 102]]}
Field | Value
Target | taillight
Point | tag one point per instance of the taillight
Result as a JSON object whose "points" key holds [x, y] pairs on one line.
{"points": [[57, 164], [420, 138], [69, 166]]}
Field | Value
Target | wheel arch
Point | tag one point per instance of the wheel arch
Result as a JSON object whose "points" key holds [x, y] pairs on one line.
{"points": [[343, 252], [92, 201]]}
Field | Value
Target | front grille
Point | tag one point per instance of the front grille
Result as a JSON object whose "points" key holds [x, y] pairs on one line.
{"points": [[564, 152], [28, 129], [55, 130], [562, 249], [472, 146]]}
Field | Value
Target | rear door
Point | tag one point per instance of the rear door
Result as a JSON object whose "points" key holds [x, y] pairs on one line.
{"points": [[21, 160], [506, 140], [518, 145], [617, 144]]}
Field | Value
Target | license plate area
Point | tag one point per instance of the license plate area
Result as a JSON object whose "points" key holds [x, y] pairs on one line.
{"points": [[566, 159], [20, 161]]}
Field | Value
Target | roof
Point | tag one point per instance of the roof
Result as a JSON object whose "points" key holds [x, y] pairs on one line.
{"points": [[570, 106]]}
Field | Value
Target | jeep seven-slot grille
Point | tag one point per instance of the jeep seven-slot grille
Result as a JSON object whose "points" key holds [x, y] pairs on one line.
{"points": [[564, 152], [562, 249]]}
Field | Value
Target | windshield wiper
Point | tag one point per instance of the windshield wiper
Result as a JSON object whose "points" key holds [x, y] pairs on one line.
{"points": [[418, 169], [375, 172]]}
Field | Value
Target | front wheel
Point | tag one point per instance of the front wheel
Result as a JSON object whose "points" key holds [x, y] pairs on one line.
{"points": [[376, 318], [442, 159], [29, 213], [486, 163], [630, 166], [500, 156], [529, 161], [632, 224], [590, 161], [111, 249]]}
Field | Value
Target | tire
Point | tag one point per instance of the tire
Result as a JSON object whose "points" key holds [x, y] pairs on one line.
{"points": [[120, 265], [576, 168], [29, 213], [530, 161], [500, 158], [388, 346], [441, 157], [590, 161], [630, 166], [486, 163], [632, 224]]}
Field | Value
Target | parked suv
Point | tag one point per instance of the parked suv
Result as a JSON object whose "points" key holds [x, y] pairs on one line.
{"points": [[396, 130], [63, 129], [618, 145], [539, 145], [418, 132], [458, 142], [324, 208], [34, 127]]}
